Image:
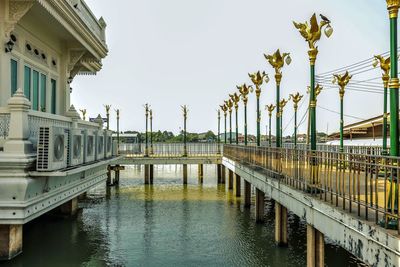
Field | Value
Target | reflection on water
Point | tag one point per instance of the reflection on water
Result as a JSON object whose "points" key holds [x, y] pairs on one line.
{"points": [[166, 224]]}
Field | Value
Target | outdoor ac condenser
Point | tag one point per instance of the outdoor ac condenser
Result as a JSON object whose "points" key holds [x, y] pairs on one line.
{"points": [[76, 147], [100, 145], [52, 148], [108, 144], [89, 152]]}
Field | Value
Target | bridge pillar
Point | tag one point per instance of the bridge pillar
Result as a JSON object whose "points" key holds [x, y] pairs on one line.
{"points": [[260, 195], [185, 174], [151, 173], [315, 247], [109, 179], [223, 174], [201, 173], [237, 185], [230, 179], [219, 173], [247, 194], [117, 174], [10, 241], [69, 208], [280, 224], [146, 174]]}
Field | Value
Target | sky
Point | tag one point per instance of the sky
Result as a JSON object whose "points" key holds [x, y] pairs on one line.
{"points": [[195, 52]]}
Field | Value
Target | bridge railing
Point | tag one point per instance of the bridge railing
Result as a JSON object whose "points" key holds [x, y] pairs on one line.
{"points": [[364, 184], [171, 149]]}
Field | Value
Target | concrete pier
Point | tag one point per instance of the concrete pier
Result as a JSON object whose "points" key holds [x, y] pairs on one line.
{"points": [[109, 179], [10, 240], [185, 173], [260, 195], [151, 173], [201, 173], [247, 194], [69, 208], [223, 174], [280, 225], [219, 173], [237, 186], [146, 174], [230, 179], [315, 247]]}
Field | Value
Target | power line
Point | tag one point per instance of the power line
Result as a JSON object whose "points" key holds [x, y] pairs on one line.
{"points": [[345, 115]]}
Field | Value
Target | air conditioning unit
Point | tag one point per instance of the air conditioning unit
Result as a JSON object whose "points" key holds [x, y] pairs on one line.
{"points": [[108, 144], [76, 147], [52, 148], [100, 145], [89, 152]]}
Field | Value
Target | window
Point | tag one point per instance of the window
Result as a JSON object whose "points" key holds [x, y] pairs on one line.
{"points": [[43, 81], [27, 83], [14, 76], [35, 81], [53, 96]]}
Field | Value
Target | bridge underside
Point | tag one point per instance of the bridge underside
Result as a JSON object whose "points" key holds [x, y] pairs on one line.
{"points": [[369, 242]]}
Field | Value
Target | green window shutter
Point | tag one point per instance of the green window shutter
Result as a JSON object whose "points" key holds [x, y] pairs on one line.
{"points": [[14, 76], [35, 85], [43, 83], [27, 82], [53, 96]]}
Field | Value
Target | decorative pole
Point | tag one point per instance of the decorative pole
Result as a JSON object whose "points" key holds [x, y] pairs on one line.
{"points": [[258, 78], [318, 90], [282, 104], [229, 104], [342, 81], [235, 99], [385, 67], [296, 98], [151, 130], [83, 111], [277, 61], [270, 109], [219, 130], [244, 90], [117, 111], [185, 112], [224, 109], [108, 115], [146, 151]]}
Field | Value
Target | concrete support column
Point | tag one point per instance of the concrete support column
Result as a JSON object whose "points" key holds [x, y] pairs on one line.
{"points": [[69, 208], [201, 173], [247, 194], [260, 195], [230, 180], [151, 173], [146, 174], [280, 225], [315, 247], [10, 240], [237, 185], [109, 181], [219, 173], [223, 174], [185, 174], [116, 179]]}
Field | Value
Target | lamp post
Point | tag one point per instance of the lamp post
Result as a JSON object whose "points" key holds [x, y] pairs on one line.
{"points": [[244, 90], [258, 79], [219, 130], [151, 130], [224, 109], [296, 98], [318, 89], [342, 81], [282, 104], [384, 63], [185, 111], [117, 111], [146, 108], [229, 104], [235, 99], [277, 61], [108, 115], [83, 111], [270, 109]]}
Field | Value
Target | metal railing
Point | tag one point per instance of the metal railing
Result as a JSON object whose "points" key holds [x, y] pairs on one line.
{"points": [[171, 149], [364, 184]]}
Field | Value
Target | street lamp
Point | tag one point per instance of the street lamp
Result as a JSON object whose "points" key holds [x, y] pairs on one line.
{"points": [[146, 109], [384, 63], [235, 99], [296, 98], [224, 109], [117, 111], [282, 104], [258, 79], [219, 130], [342, 81], [151, 130], [229, 104], [185, 111], [277, 61], [108, 115], [318, 89], [244, 90], [270, 109]]}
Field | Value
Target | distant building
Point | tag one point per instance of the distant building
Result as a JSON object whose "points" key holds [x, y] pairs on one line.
{"points": [[127, 138]]}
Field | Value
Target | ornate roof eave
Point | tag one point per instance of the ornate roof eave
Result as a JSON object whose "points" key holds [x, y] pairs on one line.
{"points": [[64, 13]]}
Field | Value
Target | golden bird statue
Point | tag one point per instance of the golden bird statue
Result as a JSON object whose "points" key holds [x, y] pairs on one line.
{"points": [[277, 60], [235, 98], [296, 98], [270, 109], [342, 81]]}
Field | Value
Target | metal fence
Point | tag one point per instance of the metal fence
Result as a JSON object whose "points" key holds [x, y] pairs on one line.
{"points": [[171, 149], [363, 184]]}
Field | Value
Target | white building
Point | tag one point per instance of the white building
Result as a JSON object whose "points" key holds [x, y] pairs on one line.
{"points": [[44, 44]]}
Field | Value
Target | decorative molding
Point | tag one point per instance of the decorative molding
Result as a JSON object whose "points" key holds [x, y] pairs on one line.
{"points": [[74, 58], [16, 10]]}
